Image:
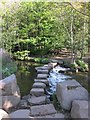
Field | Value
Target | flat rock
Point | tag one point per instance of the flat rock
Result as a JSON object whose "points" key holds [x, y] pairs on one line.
{"points": [[57, 115], [68, 91], [22, 113], [42, 76], [79, 109], [42, 71], [45, 81], [43, 68], [37, 92], [37, 100], [42, 110], [39, 85]]}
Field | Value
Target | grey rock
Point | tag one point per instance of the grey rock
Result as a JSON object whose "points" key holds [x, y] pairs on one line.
{"points": [[37, 100], [43, 68], [9, 85], [9, 92], [45, 81], [42, 71], [42, 76], [9, 101], [57, 115], [79, 109], [22, 113], [37, 92], [42, 110], [39, 85], [23, 104], [68, 91]]}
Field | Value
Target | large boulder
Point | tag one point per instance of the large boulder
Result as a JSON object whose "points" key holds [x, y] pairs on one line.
{"points": [[9, 92], [4, 115], [68, 91], [79, 109]]}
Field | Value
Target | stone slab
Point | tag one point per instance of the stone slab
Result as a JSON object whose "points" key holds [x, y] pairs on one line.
{"points": [[37, 92], [22, 113], [79, 109], [45, 81], [57, 115], [39, 85], [42, 76], [37, 100], [42, 71], [43, 68], [68, 91], [42, 110]]}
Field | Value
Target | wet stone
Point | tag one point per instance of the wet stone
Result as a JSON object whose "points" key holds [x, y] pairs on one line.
{"points": [[42, 110], [37, 100], [37, 92], [42, 71], [45, 81], [43, 68], [41, 76], [39, 85]]}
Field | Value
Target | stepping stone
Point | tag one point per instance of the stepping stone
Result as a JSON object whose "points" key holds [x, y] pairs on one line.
{"points": [[42, 71], [37, 92], [45, 81], [41, 76], [43, 68], [57, 115], [22, 113], [39, 85], [37, 100], [42, 110]]}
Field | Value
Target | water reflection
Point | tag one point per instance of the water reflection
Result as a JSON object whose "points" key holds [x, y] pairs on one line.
{"points": [[25, 76]]}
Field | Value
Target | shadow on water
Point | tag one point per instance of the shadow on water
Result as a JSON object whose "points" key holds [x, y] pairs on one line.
{"points": [[25, 76]]}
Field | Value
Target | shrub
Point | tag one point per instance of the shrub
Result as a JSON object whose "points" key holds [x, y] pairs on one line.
{"points": [[83, 66]]}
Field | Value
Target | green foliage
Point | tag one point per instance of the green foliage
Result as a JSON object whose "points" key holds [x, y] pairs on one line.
{"points": [[55, 102], [74, 65], [22, 55], [42, 60], [9, 69], [83, 66], [42, 27]]}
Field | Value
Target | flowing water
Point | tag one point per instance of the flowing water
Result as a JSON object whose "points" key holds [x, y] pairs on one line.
{"points": [[55, 77]]}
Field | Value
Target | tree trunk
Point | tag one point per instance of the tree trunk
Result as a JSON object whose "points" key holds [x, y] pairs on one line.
{"points": [[72, 40]]}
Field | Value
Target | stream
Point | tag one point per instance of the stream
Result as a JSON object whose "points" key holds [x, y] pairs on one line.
{"points": [[26, 74], [59, 74]]}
